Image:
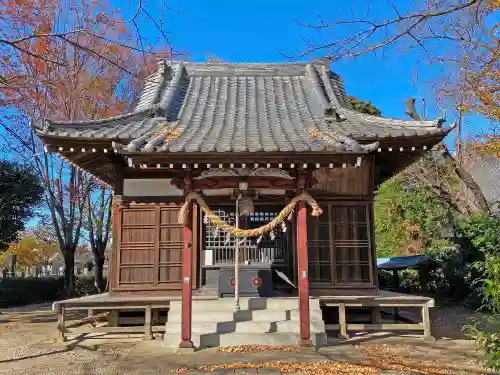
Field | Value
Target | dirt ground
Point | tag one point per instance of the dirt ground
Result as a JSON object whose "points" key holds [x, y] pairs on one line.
{"points": [[27, 347]]}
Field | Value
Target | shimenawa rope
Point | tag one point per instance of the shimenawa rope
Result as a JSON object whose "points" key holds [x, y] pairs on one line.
{"points": [[256, 232]]}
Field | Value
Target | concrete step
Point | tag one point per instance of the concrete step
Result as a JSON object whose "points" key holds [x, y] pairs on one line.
{"points": [[229, 315], [248, 303], [272, 321], [246, 327], [243, 315], [294, 326], [237, 338], [222, 327], [313, 314]]}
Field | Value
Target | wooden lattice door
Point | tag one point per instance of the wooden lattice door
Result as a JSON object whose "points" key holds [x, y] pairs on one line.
{"points": [[339, 246], [352, 245]]}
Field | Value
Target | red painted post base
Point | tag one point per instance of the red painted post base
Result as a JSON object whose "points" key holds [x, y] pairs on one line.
{"points": [[305, 342], [186, 344]]}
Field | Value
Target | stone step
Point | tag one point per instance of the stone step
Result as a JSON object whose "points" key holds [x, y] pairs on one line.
{"points": [[237, 338], [313, 314], [229, 315], [246, 327], [200, 316], [248, 303], [294, 326], [222, 327]]}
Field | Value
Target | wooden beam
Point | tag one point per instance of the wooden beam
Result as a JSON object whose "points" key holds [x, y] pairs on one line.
{"points": [[233, 182], [106, 329], [248, 158], [377, 327]]}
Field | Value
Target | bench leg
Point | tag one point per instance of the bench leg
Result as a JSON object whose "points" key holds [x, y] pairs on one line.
{"points": [[61, 325], [343, 322], [156, 317], [396, 315], [148, 334], [376, 319], [427, 323], [90, 315], [113, 318]]}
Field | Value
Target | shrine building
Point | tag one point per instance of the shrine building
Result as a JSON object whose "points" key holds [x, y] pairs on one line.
{"points": [[264, 166]]}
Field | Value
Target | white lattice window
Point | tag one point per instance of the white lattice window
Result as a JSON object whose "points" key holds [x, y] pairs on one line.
{"points": [[220, 246]]}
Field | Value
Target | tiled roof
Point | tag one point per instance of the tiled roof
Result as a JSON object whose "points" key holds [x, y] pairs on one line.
{"points": [[486, 172], [223, 107]]}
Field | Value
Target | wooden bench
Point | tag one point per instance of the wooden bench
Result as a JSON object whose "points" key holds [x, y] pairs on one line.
{"points": [[112, 304], [376, 302]]}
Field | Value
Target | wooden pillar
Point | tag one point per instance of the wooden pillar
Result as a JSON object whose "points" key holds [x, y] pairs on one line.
{"points": [[187, 290], [303, 276], [61, 324], [343, 322], [148, 333]]}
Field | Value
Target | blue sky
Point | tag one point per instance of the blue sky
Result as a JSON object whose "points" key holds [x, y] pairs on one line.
{"points": [[265, 31]]}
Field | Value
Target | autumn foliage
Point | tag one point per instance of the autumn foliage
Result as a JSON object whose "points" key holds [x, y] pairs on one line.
{"points": [[67, 63], [31, 251]]}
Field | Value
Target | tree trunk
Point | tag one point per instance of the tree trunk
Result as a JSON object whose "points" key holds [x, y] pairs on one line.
{"points": [[98, 274], [69, 272]]}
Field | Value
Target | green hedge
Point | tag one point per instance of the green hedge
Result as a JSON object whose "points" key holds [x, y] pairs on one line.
{"points": [[24, 291]]}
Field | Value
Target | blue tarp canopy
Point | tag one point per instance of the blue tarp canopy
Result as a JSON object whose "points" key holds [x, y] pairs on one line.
{"points": [[401, 262]]}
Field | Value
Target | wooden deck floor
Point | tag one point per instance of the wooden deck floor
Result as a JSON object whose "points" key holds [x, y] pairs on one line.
{"points": [[381, 298], [352, 297]]}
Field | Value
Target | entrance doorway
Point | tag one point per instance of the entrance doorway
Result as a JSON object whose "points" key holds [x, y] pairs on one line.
{"points": [[273, 252]]}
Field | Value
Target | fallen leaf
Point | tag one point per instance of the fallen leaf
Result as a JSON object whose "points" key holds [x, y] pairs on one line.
{"points": [[257, 348]]}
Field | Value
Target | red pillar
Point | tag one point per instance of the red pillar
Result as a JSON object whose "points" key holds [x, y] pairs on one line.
{"points": [[302, 266], [187, 291]]}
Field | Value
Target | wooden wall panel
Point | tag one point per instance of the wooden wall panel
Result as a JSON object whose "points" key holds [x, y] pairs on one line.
{"points": [[349, 181], [170, 246], [136, 275]]}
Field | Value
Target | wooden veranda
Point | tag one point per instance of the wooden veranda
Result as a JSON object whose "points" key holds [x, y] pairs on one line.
{"points": [[152, 306]]}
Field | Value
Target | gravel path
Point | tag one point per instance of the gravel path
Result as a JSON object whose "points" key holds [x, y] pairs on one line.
{"points": [[23, 347]]}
